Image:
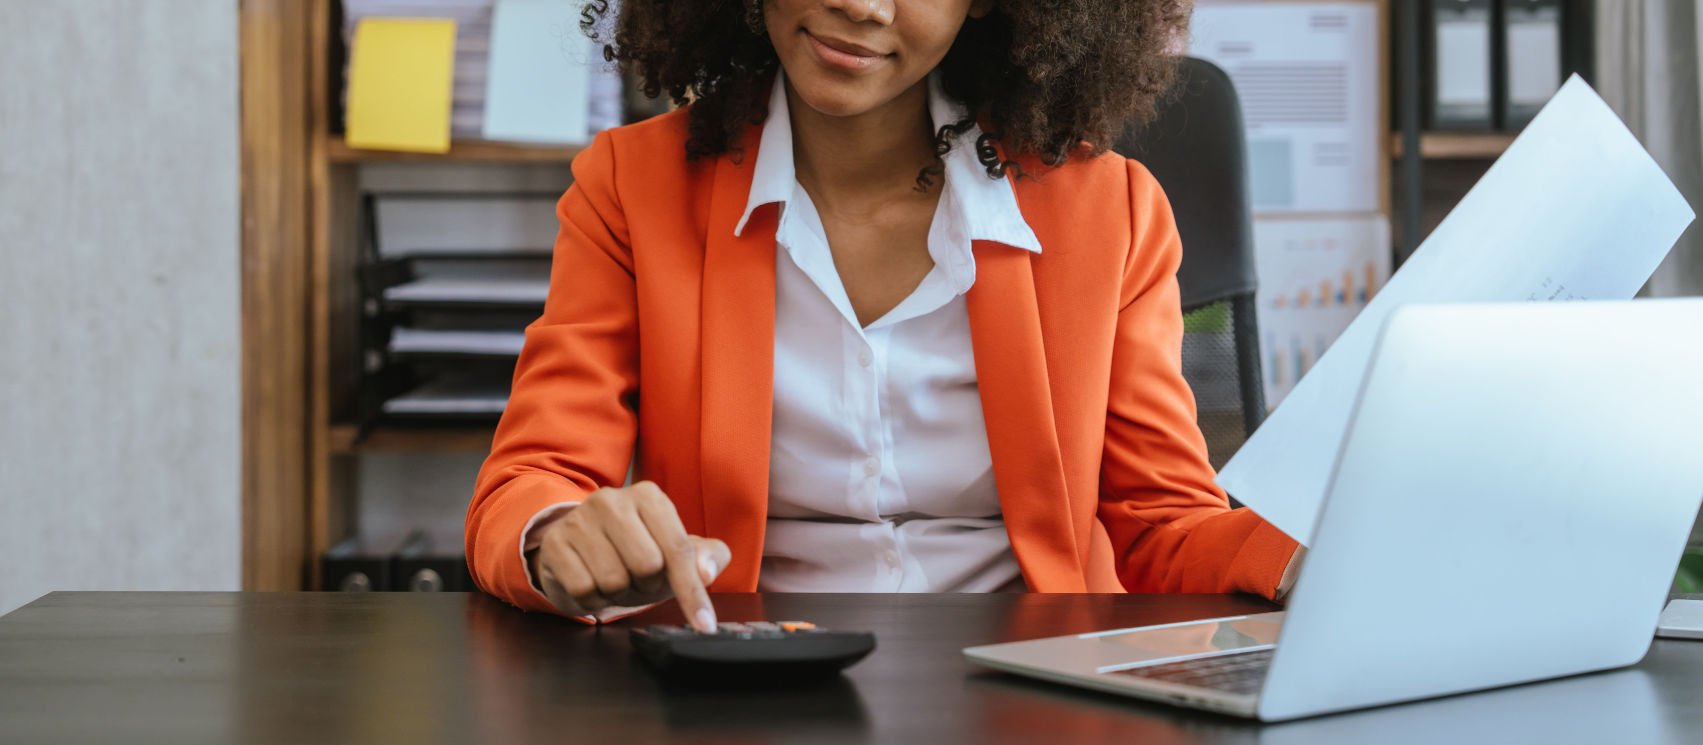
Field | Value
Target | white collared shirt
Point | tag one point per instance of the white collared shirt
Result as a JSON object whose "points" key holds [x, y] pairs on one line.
{"points": [[880, 478]]}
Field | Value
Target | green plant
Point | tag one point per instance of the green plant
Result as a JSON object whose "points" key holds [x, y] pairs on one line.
{"points": [[1690, 575], [1214, 318]]}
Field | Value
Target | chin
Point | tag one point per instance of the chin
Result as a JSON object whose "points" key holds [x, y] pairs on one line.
{"points": [[834, 97]]}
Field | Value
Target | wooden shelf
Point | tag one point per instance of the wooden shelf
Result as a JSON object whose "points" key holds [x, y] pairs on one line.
{"points": [[461, 152], [1458, 145], [471, 438]]}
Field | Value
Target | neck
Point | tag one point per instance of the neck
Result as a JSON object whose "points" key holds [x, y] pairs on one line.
{"points": [[846, 160]]}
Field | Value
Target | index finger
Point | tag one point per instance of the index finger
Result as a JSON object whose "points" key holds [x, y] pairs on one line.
{"points": [[679, 556]]}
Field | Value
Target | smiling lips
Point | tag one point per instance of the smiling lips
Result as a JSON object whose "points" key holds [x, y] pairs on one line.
{"points": [[844, 55]]}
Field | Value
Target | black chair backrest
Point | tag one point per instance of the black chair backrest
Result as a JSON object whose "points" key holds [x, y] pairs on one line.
{"points": [[1196, 150]]}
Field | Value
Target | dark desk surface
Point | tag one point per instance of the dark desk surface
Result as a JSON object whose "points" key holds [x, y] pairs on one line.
{"points": [[427, 668]]}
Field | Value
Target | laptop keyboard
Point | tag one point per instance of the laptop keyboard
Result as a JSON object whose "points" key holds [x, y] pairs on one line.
{"points": [[1239, 672]]}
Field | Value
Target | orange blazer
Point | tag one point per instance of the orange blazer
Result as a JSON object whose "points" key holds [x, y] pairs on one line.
{"points": [[656, 350]]}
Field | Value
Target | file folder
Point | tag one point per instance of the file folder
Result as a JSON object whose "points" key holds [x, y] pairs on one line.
{"points": [[419, 567], [401, 73], [1460, 89], [1531, 40], [356, 565]]}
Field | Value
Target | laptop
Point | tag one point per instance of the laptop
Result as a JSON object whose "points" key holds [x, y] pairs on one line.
{"points": [[1508, 505]]}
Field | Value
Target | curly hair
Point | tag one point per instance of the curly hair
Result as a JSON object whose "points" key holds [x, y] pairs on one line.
{"points": [[1047, 78]]}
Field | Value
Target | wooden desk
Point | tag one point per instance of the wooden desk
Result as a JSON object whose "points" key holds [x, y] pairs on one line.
{"points": [[185, 668]]}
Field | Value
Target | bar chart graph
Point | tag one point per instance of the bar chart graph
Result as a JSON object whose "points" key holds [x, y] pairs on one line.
{"points": [[1315, 274]]}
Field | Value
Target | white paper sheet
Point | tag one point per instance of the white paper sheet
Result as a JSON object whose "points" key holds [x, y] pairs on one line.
{"points": [[1463, 61], [448, 341], [540, 79], [517, 290], [453, 394], [1576, 209], [1307, 76], [1534, 55]]}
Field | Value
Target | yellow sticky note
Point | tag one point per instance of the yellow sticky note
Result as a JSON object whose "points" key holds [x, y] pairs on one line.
{"points": [[401, 76]]}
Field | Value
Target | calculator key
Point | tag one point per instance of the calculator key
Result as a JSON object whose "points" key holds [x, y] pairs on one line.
{"points": [[797, 625]]}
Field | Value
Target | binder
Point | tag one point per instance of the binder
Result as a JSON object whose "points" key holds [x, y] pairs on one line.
{"points": [[1531, 40], [356, 565], [419, 568], [1578, 39], [1460, 88]]}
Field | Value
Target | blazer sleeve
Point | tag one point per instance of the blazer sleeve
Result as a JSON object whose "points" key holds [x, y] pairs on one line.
{"points": [[570, 425], [1171, 526]]}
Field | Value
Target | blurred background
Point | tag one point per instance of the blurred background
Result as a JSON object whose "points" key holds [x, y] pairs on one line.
{"points": [[264, 263]]}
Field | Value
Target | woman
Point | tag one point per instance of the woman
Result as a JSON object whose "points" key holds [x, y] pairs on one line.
{"points": [[875, 312]]}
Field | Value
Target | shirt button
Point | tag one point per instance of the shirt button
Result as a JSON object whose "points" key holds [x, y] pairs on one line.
{"points": [[871, 467], [891, 557], [864, 358]]}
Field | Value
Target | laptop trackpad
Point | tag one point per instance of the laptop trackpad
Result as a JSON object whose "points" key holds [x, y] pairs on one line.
{"points": [[1187, 640]]}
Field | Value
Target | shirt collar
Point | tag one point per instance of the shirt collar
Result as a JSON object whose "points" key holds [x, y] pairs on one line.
{"points": [[986, 208]]}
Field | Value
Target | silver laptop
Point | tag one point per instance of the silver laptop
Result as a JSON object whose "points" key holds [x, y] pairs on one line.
{"points": [[1508, 505]]}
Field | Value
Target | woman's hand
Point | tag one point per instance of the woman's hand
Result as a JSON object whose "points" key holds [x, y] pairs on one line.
{"points": [[627, 547]]}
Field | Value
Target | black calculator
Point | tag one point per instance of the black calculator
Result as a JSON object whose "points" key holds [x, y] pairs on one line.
{"points": [[778, 649]]}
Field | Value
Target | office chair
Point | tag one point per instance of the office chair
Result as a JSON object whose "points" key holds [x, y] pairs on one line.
{"points": [[1195, 148]]}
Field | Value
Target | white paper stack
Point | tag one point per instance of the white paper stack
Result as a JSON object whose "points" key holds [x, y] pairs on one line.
{"points": [[405, 340], [485, 290], [451, 396]]}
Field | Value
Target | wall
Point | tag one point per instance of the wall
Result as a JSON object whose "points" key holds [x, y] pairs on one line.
{"points": [[119, 290]]}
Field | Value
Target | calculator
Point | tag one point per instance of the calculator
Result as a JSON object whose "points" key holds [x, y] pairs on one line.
{"points": [[778, 649]]}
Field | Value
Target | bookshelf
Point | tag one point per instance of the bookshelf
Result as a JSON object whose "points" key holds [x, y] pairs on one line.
{"points": [[332, 317], [300, 201], [1457, 145]]}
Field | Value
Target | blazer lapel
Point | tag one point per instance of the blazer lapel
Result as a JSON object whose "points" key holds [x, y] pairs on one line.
{"points": [[738, 317], [1005, 330]]}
